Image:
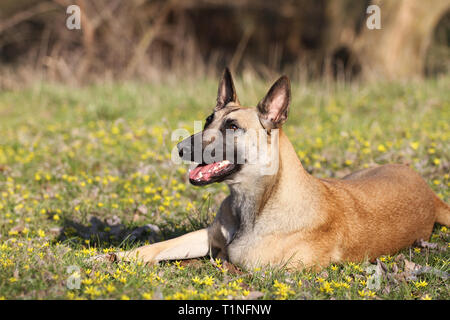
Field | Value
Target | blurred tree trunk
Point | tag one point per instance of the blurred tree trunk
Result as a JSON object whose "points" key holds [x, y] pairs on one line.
{"points": [[398, 49], [138, 38]]}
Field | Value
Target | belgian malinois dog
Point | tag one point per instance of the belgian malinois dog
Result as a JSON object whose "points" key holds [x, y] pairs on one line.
{"points": [[286, 216]]}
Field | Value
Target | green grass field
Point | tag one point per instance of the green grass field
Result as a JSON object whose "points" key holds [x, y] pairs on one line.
{"points": [[82, 170]]}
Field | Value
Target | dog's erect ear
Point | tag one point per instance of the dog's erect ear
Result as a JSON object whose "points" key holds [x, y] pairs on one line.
{"points": [[273, 109], [226, 92]]}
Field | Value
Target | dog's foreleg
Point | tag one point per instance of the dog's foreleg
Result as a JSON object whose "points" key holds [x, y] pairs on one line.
{"points": [[191, 245]]}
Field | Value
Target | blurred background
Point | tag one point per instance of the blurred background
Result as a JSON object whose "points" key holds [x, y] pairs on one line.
{"points": [[87, 123], [151, 40]]}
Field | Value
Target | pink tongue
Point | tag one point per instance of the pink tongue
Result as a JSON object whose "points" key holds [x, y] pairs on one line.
{"points": [[204, 173]]}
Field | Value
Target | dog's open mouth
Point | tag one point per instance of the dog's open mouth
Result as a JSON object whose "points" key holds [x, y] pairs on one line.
{"points": [[213, 172]]}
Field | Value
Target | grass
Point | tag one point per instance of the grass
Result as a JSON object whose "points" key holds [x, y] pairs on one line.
{"points": [[83, 170]]}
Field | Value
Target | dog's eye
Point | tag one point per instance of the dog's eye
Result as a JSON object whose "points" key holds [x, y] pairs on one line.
{"points": [[233, 127]]}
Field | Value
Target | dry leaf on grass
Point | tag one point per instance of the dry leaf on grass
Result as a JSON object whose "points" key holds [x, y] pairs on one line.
{"points": [[231, 268], [254, 295], [412, 270], [425, 244], [196, 263]]}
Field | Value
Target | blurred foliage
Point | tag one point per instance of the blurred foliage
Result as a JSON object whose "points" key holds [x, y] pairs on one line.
{"points": [[83, 169], [154, 39]]}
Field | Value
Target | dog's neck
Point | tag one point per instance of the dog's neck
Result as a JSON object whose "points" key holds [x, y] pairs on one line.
{"points": [[270, 193]]}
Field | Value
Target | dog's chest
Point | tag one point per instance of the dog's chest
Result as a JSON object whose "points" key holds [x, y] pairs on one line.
{"points": [[268, 237], [247, 237]]}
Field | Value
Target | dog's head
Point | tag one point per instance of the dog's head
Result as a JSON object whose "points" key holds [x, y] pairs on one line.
{"points": [[236, 138]]}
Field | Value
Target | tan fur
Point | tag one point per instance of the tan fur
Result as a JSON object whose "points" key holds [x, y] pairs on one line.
{"points": [[373, 212], [292, 218]]}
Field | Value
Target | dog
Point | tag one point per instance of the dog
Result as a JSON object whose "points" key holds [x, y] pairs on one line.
{"points": [[287, 217]]}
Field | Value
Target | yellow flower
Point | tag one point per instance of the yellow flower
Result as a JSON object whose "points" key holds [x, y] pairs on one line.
{"points": [[283, 290], [420, 284], [189, 206], [178, 264], [41, 233], [208, 280], [357, 268], [110, 288], [320, 280], [55, 217], [366, 293], [426, 297], [115, 130], [341, 285], [92, 291], [124, 297], [417, 250], [87, 281], [414, 145], [177, 296], [147, 296], [381, 148], [326, 287], [196, 280]]}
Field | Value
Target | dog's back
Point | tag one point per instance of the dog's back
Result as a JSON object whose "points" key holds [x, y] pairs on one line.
{"points": [[385, 209]]}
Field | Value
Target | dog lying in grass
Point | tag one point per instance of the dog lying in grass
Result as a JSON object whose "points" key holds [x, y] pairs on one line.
{"points": [[279, 214]]}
